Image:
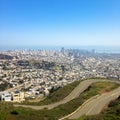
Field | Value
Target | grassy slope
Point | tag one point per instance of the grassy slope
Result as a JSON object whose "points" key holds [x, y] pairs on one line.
{"points": [[7, 112], [56, 95]]}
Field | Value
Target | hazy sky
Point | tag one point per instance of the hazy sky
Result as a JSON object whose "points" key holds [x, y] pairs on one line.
{"points": [[59, 22]]}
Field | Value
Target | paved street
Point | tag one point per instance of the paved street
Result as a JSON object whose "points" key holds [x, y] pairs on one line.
{"points": [[96, 105], [75, 93]]}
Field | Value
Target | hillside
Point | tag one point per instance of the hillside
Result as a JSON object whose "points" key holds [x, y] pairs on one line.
{"points": [[8, 112]]}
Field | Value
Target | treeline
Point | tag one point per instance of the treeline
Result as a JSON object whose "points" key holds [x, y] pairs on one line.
{"points": [[36, 64], [2, 56]]}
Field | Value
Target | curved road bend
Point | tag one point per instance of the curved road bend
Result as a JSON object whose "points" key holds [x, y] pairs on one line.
{"points": [[75, 93], [96, 105]]}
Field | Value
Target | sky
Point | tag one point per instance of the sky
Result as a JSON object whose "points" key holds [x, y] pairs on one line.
{"points": [[59, 23]]}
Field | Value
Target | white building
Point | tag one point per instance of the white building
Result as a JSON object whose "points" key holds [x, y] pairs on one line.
{"points": [[5, 96]]}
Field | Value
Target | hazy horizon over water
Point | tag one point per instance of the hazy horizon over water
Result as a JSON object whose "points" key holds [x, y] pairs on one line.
{"points": [[98, 49]]}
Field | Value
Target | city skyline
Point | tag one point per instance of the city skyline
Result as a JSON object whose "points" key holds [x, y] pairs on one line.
{"points": [[59, 23]]}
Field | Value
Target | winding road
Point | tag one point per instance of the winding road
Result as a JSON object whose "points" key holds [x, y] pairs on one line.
{"points": [[90, 107], [94, 105]]}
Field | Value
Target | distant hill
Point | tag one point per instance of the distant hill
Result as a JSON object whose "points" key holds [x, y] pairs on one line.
{"points": [[36, 64], [3, 56]]}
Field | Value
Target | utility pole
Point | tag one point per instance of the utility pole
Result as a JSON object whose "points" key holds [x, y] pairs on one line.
{"points": [[118, 77]]}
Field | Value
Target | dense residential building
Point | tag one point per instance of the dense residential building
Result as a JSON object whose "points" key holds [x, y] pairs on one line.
{"points": [[35, 73]]}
